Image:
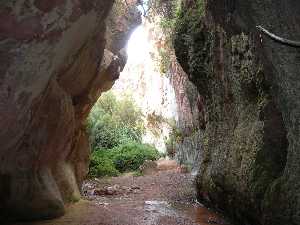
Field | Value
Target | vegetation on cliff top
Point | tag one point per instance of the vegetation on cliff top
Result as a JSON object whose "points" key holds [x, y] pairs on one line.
{"points": [[174, 16]]}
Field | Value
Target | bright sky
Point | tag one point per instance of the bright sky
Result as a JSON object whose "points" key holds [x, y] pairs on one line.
{"points": [[145, 7], [138, 46]]}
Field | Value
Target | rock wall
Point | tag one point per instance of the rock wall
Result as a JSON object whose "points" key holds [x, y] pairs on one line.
{"points": [[250, 88], [188, 147], [55, 63]]}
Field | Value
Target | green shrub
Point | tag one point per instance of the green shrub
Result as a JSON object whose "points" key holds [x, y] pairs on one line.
{"points": [[175, 137], [138, 173], [113, 122], [170, 147], [165, 60], [124, 158], [101, 165], [131, 156]]}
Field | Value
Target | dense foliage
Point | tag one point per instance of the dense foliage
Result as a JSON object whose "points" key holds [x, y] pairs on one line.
{"points": [[123, 158], [113, 122], [102, 165], [175, 137], [115, 127], [130, 156]]}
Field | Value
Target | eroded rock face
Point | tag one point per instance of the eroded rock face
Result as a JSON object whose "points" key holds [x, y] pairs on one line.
{"points": [[250, 90], [54, 65], [188, 147]]}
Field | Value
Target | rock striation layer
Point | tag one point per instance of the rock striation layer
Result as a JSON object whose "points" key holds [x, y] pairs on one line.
{"points": [[55, 63], [250, 88]]}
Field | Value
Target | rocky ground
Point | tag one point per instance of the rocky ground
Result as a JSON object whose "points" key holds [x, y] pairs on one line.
{"points": [[165, 197]]}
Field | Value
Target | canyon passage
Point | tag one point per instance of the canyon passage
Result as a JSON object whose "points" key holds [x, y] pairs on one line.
{"points": [[85, 127]]}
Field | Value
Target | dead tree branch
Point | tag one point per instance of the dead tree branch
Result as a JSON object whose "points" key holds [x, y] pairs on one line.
{"points": [[279, 39]]}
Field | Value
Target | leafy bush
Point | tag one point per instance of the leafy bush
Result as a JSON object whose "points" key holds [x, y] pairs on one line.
{"points": [[175, 137], [170, 147], [115, 128], [165, 60], [101, 165], [113, 122], [124, 158], [131, 156]]}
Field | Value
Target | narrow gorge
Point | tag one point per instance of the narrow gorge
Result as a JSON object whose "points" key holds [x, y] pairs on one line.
{"points": [[218, 96]]}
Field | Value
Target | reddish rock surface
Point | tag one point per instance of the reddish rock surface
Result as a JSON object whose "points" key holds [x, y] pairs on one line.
{"points": [[191, 117], [53, 68]]}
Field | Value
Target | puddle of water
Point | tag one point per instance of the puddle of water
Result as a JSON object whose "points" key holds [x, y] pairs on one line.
{"points": [[160, 207], [200, 214], [156, 203], [197, 213]]}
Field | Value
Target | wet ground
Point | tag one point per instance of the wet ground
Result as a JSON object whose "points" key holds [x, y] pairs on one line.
{"points": [[164, 198]]}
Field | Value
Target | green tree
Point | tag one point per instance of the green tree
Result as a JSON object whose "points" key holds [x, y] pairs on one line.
{"points": [[113, 122]]}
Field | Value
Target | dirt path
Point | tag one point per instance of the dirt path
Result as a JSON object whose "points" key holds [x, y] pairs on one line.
{"points": [[165, 198]]}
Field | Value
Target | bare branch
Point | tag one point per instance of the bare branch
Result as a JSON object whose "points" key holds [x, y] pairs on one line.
{"points": [[279, 39]]}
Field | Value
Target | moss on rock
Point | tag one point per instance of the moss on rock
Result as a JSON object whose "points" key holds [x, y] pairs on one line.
{"points": [[245, 140]]}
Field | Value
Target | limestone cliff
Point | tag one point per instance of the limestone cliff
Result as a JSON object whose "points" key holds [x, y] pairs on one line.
{"points": [[150, 87], [55, 63], [249, 86], [188, 146]]}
